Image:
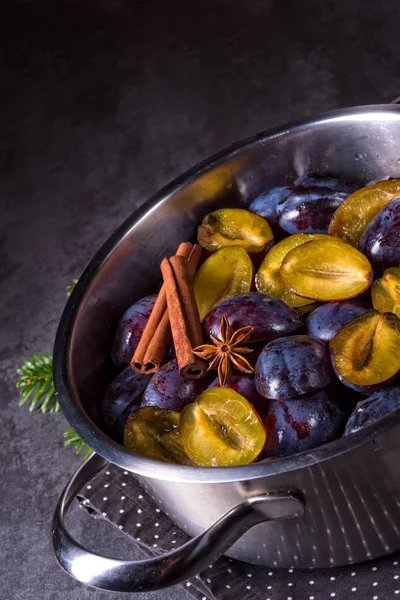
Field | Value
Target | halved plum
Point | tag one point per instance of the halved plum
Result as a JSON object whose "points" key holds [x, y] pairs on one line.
{"points": [[326, 270], [380, 241], [365, 353], [227, 272], [386, 292], [228, 227], [356, 212], [326, 320], [373, 408], [269, 316], [292, 366], [221, 429], [153, 432], [244, 385], [268, 278]]}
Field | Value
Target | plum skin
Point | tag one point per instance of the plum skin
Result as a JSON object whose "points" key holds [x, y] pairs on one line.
{"points": [[292, 366], [265, 206], [373, 408], [296, 207], [269, 316], [310, 205], [129, 330], [380, 241], [122, 397], [326, 320], [168, 389], [298, 424]]}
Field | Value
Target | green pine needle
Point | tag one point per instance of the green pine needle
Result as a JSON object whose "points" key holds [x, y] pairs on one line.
{"points": [[36, 379], [36, 385], [71, 438], [70, 287]]}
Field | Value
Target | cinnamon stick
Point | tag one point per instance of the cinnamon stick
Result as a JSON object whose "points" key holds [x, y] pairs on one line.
{"points": [[157, 336], [184, 317]]}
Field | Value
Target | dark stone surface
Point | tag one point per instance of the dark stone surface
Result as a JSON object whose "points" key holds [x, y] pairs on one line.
{"points": [[102, 103]]}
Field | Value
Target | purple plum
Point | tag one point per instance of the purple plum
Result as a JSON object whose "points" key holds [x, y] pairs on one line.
{"points": [[293, 366], [265, 206], [269, 316], [130, 329], [373, 408], [302, 423], [380, 242], [123, 395], [326, 320], [309, 206], [167, 389]]}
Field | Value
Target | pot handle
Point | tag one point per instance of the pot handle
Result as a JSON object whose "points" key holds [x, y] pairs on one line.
{"points": [[171, 568]]}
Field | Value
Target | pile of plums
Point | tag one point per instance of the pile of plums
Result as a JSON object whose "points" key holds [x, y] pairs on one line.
{"points": [[314, 268]]}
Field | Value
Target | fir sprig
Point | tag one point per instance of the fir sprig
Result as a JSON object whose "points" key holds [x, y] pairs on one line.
{"points": [[71, 438], [70, 287], [36, 386]]}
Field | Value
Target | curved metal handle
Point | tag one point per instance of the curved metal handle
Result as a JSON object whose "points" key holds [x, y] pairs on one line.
{"points": [[171, 568]]}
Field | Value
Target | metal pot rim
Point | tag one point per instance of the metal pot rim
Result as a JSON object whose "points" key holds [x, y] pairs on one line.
{"points": [[140, 465]]}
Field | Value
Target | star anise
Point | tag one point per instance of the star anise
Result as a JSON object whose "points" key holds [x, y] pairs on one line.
{"points": [[226, 352]]}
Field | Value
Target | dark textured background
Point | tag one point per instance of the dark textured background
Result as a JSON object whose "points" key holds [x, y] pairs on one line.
{"points": [[101, 103]]}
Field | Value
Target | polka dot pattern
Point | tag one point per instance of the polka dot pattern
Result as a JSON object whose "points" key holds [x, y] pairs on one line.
{"points": [[115, 495]]}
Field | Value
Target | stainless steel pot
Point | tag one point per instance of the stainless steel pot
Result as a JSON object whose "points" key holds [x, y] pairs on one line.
{"points": [[335, 505]]}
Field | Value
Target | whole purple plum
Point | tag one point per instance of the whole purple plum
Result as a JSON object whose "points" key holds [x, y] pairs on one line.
{"points": [[309, 206], [293, 366], [302, 423], [380, 242], [269, 316], [375, 407], [123, 394], [244, 385], [167, 389], [129, 330], [265, 206], [326, 320]]}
